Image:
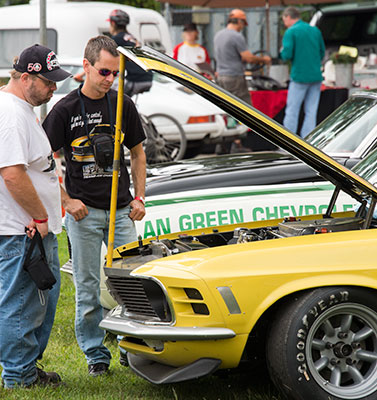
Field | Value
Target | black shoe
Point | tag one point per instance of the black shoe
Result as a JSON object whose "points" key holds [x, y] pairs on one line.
{"points": [[98, 369], [123, 360], [47, 379]]}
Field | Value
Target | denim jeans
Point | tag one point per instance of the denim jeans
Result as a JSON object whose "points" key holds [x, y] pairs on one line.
{"points": [[86, 237], [26, 314], [297, 93]]}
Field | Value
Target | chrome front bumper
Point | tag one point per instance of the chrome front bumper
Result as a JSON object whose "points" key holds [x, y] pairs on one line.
{"points": [[121, 325]]}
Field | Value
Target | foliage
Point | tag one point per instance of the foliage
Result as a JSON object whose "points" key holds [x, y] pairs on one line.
{"points": [[153, 4], [338, 58]]}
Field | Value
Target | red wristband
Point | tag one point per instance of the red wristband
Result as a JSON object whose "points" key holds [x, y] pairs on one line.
{"points": [[40, 221], [140, 199]]}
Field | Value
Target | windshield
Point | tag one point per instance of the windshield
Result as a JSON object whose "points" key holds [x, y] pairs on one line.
{"points": [[66, 86], [345, 129], [367, 168]]}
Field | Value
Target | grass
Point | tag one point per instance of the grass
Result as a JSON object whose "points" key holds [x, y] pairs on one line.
{"points": [[64, 356]]}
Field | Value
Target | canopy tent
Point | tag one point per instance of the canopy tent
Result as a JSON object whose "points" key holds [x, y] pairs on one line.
{"points": [[248, 4]]}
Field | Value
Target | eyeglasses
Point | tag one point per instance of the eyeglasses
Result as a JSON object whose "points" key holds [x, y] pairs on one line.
{"points": [[47, 82], [105, 71]]}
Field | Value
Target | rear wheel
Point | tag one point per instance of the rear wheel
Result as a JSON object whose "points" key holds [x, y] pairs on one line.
{"points": [[166, 139], [323, 345]]}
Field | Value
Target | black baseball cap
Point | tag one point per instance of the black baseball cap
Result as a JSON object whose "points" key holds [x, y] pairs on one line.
{"points": [[190, 27], [41, 60]]}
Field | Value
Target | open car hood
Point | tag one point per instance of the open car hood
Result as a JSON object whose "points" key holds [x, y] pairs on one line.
{"points": [[340, 176]]}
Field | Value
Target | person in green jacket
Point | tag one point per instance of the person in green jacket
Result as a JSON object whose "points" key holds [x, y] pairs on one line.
{"points": [[303, 45]]}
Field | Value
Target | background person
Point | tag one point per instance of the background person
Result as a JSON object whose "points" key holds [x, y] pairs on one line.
{"points": [[87, 201], [137, 79], [189, 52], [303, 45], [29, 197], [231, 54]]}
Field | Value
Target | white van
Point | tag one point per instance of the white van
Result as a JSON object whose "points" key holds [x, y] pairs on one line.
{"points": [[71, 24]]}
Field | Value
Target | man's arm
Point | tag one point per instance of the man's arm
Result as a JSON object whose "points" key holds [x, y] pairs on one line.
{"points": [[288, 46], [249, 57], [138, 172], [23, 191], [75, 207]]}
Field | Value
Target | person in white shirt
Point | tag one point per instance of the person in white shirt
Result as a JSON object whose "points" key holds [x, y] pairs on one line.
{"points": [[189, 52], [29, 202]]}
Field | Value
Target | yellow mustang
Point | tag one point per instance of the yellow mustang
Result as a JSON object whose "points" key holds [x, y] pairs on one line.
{"points": [[299, 293]]}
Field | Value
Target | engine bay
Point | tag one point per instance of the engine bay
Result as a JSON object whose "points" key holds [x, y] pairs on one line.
{"points": [[289, 227]]}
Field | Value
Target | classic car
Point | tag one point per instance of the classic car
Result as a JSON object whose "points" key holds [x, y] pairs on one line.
{"points": [[298, 292]]}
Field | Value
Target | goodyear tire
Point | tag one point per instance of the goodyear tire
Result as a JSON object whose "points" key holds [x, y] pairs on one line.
{"points": [[322, 345]]}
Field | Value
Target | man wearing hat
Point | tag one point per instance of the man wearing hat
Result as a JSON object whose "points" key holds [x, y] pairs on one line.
{"points": [[30, 201], [231, 54], [137, 80], [189, 52]]}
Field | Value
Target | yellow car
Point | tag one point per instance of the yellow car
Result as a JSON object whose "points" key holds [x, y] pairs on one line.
{"points": [[299, 293]]}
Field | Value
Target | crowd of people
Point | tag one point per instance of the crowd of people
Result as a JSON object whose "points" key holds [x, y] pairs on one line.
{"points": [[30, 194]]}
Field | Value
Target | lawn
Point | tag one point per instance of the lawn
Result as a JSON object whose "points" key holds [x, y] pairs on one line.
{"points": [[64, 356]]}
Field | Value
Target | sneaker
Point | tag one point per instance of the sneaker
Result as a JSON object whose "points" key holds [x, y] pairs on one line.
{"points": [[98, 369]]}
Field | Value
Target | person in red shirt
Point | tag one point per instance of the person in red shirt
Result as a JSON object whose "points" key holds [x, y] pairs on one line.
{"points": [[189, 52]]}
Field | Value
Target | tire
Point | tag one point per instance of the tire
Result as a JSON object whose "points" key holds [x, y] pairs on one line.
{"points": [[322, 345], [168, 142]]}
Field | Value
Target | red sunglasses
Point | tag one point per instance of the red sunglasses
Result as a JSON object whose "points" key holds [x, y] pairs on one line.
{"points": [[106, 72]]}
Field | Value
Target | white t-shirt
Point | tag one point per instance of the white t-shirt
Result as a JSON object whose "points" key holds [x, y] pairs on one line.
{"points": [[23, 141], [191, 54]]}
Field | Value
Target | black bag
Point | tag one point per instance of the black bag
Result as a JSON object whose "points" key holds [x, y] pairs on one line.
{"points": [[37, 267], [103, 149]]}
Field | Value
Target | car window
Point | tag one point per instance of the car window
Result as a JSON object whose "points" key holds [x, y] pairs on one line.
{"points": [[344, 130], [13, 41], [367, 168], [66, 86]]}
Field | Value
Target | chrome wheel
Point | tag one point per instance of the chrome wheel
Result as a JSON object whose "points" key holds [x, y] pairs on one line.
{"points": [[341, 351]]}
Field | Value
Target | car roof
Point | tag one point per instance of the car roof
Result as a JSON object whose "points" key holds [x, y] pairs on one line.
{"points": [[331, 170]]}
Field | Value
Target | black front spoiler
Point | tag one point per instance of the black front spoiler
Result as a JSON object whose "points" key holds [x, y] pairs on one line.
{"points": [[157, 373]]}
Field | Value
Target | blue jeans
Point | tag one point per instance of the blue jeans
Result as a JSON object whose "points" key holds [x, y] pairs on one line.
{"points": [[86, 237], [297, 93], [26, 314]]}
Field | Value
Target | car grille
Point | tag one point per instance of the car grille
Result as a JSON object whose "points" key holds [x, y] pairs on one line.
{"points": [[140, 297]]}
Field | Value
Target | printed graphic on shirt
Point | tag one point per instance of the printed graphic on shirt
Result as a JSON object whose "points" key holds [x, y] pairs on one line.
{"points": [[51, 161], [94, 171]]}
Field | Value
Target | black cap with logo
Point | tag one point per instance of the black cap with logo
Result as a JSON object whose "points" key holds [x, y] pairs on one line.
{"points": [[41, 60]]}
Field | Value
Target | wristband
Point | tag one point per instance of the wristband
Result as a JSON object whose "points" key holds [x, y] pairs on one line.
{"points": [[40, 221], [141, 199]]}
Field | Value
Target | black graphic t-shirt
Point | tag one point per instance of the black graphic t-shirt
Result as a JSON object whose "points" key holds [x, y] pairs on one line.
{"points": [[65, 129]]}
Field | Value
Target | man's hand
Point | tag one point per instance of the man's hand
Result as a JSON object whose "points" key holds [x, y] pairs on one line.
{"points": [[267, 60], [76, 208], [137, 210], [33, 226]]}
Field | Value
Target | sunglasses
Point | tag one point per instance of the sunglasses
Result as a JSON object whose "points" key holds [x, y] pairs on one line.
{"points": [[106, 72], [47, 82]]}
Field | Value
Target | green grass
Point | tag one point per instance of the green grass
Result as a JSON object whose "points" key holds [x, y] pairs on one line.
{"points": [[64, 356]]}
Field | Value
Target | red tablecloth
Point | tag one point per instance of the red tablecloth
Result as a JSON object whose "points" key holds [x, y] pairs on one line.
{"points": [[271, 102]]}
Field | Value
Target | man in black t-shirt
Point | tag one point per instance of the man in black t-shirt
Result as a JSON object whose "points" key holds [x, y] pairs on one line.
{"points": [[137, 80], [88, 183]]}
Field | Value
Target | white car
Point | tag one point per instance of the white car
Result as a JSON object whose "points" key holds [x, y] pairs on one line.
{"points": [[200, 119]]}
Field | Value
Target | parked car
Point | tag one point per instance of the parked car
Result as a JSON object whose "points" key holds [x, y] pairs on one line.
{"points": [[201, 121], [299, 292]]}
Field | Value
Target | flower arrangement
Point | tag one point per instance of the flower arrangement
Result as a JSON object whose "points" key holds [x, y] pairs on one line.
{"points": [[343, 58]]}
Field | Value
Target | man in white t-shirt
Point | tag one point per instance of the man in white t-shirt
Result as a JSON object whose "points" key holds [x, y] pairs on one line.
{"points": [[29, 201]]}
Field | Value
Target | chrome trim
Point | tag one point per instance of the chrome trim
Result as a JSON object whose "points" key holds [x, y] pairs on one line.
{"points": [[132, 273], [229, 299], [127, 327]]}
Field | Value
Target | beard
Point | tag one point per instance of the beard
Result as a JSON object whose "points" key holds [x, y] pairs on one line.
{"points": [[36, 97]]}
